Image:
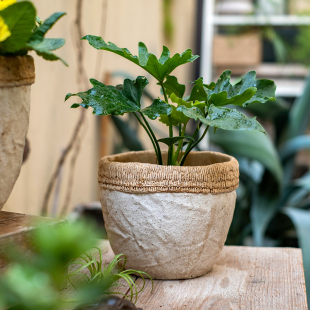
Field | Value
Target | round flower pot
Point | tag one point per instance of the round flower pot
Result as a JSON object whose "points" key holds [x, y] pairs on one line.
{"points": [[16, 76], [171, 222]]}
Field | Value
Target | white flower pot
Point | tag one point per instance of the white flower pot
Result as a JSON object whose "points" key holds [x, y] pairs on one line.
{"points": [[171, 222], [16, 76]]}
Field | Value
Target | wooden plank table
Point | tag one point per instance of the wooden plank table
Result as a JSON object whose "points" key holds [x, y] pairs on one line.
{"points": [[244, 278]]}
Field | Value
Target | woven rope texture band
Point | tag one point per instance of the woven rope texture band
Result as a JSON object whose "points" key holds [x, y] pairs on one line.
{"points": [[16, 71], [204, 172]]}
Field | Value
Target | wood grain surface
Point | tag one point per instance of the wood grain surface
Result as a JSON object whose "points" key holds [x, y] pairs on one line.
{"points": [[243, 278], [16, 230]]}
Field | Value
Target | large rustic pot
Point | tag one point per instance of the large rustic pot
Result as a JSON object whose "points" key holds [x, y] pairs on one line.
{"points": [[171, 222], [16, 76]]}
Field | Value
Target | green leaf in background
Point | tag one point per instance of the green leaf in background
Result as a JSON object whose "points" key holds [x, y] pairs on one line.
{"points": [[172, 86], [292, 146], [248, 90], [129, 136], [158, 68], [110, 100], [157, 108], [300, 113], [40, 32], [251, 144], [173, 140], [43, 48], [20, 18], [177, 117], [301, 221], [230, 119]]}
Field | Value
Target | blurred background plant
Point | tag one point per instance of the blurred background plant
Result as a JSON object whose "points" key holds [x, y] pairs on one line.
{"points": [[38, 280]]}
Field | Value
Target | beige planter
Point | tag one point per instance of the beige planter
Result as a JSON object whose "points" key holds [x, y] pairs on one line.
{"points": [[171, 222], [16, 76]]}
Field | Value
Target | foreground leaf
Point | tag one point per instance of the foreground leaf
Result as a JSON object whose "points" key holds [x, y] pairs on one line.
{"points": [[110, 100], [40, 32], [199, 91], [158, 68], [20, 18], [230, 119], [157, 108]]}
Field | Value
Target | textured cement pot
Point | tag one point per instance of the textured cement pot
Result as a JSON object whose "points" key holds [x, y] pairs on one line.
{"points": [[171, 222], [16, 76]]}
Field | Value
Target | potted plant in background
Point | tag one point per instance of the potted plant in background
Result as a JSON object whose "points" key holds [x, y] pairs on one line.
{"points": [[170, 211], [20, 32]]}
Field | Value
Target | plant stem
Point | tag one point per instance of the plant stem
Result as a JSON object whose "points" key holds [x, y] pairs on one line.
{"points": [[170, 149], [188, 150], [177, 152], [160, 160], [150, 136]]}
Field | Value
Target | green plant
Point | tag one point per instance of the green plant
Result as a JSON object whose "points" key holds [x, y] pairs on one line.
{"points": [[110, 273], [206, 103], [21, 31], [34, 281]]}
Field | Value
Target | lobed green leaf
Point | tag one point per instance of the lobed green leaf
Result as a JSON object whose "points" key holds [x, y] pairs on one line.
{"points": [[172, 86], [158, 68], [157, 108]]}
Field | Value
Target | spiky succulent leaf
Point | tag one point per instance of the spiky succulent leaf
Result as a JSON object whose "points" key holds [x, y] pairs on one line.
{"points": [[158, 68], [111, 100]]}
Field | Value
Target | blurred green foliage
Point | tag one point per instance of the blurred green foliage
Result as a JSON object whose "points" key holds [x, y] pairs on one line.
{"points": [[34, 281]]}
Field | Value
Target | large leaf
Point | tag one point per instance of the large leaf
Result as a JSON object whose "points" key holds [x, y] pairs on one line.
{"points": [[251, 144], [158, 68], [20, 18], [43, 48], [110, 100], [157, 108], [40, 32], [301, 221], [247, 90], [172, 86], [292, 146], [230, 119]]}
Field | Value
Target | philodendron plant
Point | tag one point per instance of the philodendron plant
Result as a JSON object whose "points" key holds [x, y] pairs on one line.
{"points": [[207, 104], [22, 31]]}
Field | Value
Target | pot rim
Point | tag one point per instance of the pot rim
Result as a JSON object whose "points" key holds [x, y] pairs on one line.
{"points": [[219, 174]]}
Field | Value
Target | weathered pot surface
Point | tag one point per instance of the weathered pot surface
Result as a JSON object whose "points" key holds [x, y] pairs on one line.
{"points": [[171, 222], [16, 76]]}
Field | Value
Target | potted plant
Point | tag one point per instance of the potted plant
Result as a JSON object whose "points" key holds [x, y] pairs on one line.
{"points": [[20, 32], [170, 211]]}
